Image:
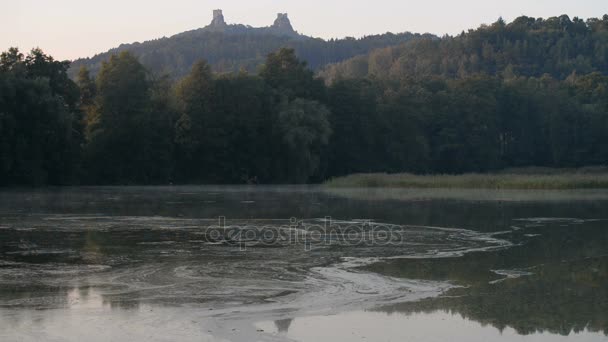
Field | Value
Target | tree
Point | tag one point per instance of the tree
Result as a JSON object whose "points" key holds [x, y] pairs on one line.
{"points": [[305, 129], [194, 100], [11, 60], [123, 144], [39, 133], [87, 88], [353, 146], [284, 72], [246, 110], [86, 85]]}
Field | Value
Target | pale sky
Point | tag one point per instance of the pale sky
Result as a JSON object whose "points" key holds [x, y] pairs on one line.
{"points": [[68, 29]]}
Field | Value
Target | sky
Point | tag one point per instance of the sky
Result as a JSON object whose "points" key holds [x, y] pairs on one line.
{"points": [[69, 29]]}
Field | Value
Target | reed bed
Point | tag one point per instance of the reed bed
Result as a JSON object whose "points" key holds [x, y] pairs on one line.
{"points": [[508, 180]]}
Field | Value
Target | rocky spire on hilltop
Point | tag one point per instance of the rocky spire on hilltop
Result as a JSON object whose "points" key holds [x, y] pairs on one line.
{"points": [[218, 20], [282, 24]]}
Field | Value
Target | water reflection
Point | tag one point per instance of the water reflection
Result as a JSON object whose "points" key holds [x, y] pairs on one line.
{"points": [[564, 289], [437, 325], [283, 324]]}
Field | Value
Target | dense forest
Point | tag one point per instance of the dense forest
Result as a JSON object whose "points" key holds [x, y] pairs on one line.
{"points": [[527, 46], [531, 92]]}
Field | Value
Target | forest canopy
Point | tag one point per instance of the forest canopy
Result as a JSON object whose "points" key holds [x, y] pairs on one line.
{"points": [[556, 46]]}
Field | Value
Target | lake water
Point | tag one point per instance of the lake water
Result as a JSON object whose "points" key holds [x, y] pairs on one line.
{"points": [[302, 264]]}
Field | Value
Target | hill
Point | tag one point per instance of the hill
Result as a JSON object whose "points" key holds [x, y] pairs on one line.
{"points": [[230, 48], [531, 47], [533, 92]]}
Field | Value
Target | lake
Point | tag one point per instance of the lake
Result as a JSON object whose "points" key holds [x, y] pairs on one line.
{"points": [[298, 263]]}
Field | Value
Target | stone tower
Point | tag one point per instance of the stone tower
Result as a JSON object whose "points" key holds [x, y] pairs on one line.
{"points": [[218, 19], [282, 23]]}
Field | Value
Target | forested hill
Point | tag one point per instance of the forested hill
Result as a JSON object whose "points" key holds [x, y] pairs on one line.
{"points": [[556, 46], [532, 92], [230, 48]]}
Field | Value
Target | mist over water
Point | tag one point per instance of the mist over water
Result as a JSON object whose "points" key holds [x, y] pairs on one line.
{"points": [[281, 263]]}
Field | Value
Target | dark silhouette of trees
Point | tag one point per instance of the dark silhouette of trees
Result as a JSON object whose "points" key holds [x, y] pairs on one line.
{"points": [[40, 132], [129, 140]]}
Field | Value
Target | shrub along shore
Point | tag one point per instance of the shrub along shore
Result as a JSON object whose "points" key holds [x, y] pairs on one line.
{"points": [[509, 179]]}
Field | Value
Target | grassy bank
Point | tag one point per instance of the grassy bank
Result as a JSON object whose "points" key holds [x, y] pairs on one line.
{"points": [[509, 179]]}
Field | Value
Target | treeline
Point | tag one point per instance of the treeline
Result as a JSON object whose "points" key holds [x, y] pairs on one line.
{"points": [[40, 120], [474, 124], [284, 125], [231, 52], [526, 47], [128, 127]]}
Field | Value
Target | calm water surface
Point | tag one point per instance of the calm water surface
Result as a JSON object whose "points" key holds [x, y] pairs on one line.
{"points": [[302, 264]]}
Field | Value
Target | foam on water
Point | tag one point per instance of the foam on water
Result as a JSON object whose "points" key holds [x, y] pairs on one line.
{"points": [[179, 263], [135, 261], [509, 274]]}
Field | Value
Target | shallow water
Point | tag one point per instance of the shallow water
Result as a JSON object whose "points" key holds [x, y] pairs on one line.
{"points": [[302, 263]]}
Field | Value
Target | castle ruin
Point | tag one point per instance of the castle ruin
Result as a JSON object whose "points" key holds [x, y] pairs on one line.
{"points": [[281, 26], [218, 19], [282, 22]]}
